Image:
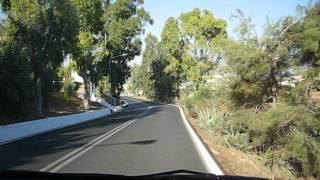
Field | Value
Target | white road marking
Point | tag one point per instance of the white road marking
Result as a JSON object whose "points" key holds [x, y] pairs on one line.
{"points": [[51, 165], [68, 158], [210, 164]]}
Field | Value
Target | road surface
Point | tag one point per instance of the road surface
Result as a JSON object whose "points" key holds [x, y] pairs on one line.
{"points": [[145, 138]]}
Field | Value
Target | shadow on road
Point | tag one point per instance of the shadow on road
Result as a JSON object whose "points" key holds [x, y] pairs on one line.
{"points": [[141, 142], [36, 152]]}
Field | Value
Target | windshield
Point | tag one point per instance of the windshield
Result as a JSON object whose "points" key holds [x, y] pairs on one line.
{"points": [[134, 87]]}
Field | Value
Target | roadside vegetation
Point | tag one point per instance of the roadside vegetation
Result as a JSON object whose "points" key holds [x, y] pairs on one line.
{"points": [[255, 94], [38, 38]]}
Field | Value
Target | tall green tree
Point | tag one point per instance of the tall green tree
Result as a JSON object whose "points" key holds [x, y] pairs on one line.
{"points": [[190, 42], [258, 65], [16, 90], [201, 32], [91, 24], [124, 22], [47, 30], [150, 54], [305, 38], [173, 47], [151, 76]]}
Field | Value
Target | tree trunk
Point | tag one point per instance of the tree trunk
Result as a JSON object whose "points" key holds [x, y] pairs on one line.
{"points": [[37, 69], [112, 93], [87, 93], [275, 99], [38, 103], [274, 89]]}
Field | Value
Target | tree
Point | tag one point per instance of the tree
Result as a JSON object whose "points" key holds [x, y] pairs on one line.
{"points": [[124, 22], [65, 72], [248, 68], [258, 67], [16, 92], [189, 42], [173, 47], [305, 40], [150, 76], [201, 32], [142, 75], [2, 31], [90, 16], [141, 80], [47, 30], [276, 50]]}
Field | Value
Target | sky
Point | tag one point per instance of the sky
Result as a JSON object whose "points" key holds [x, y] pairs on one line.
{"points": [[259, 10]]}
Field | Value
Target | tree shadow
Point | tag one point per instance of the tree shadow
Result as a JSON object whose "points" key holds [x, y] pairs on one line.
{"points": [[35, 152], [139, 142]]}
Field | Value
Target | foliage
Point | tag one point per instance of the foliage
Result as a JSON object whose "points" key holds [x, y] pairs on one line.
{"points": [[189, 43], [69, 90], [65, 72], [124, 22], [142, 80], [200, 33], [16, 90], [306, 36], [93, 32], [90, 21], [247, 63], [200, 97], [104, 86], [288, 135], [258, 65], [151, 77], [238, 140], [46, 30]]}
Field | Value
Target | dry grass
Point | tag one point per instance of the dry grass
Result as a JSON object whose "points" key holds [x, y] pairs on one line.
{"points": [[315, 97]]}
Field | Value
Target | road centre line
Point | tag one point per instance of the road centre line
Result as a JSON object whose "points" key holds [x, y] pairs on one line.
{"points": [[68, 158], [60, 160]]}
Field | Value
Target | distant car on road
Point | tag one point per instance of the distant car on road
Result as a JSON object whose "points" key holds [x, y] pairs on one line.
{"points": [[124, 103]]}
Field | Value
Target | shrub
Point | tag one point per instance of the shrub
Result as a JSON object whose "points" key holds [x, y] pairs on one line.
{"points": [[285, 133], [199, 99], [238, 140], [211, 118], [69, 90], [298, 95]]}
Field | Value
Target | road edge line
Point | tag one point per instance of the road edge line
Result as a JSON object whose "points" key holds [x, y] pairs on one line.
{"points": [[210, 164]]}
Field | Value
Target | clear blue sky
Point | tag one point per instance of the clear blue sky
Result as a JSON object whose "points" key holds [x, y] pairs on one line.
{"points": [[161, 10]]}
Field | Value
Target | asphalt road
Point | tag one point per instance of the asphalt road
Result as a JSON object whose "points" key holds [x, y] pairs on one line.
{"points": [[145, 138]]}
